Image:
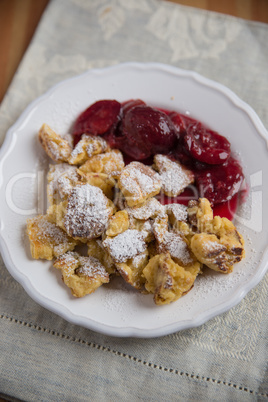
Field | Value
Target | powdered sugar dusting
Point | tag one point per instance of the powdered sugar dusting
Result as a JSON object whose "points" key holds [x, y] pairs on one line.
{"points": [[177, 247], [139, 260], [115, 163], [126, 245], [60, 180], [89, 145], [140, 180], [41, 230], [66, 183], [179, 211], [68, 262], [78, 150], [211, 246], [87, 212], [175, 177], [91, 267], [50, 231], [148, 210], [72, 263], [59, 152]]}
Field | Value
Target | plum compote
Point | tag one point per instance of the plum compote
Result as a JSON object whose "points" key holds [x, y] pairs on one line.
{"points": [[97, 119], [206, 145], [146, 131], [141, 131]]}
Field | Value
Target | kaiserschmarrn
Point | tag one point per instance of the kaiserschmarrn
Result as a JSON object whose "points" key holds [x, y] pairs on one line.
{"points": [[98, 203]]}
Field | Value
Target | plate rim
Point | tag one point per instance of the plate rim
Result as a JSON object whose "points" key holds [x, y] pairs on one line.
{"points": [[89, 323]]}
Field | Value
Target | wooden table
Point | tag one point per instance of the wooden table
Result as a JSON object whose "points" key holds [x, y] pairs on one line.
{"points": [[19, 19]]}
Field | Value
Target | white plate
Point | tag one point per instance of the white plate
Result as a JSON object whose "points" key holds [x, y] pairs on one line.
{"points": [[115, 309]]}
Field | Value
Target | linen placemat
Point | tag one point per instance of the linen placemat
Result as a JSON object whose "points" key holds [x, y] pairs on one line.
{"points": [[42, 356]]}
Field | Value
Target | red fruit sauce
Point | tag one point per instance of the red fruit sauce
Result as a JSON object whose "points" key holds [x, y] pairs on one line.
{"points": [[146, 131], [141, 131], [97, 119]]}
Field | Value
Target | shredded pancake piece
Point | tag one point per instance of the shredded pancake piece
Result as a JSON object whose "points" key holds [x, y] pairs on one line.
{"points": [[150, 209], [97, 250], [103, 181], [200, 215], [132, 270], [138, 182], [61, 179], [83, 275], [160, 227], [229, 236], [143, 226], [118, 223], [176, 213], [88, 146], [47, 240], [126, 245], [110, 163], [215, 241], [175, 177], [167, 280], [176, 246], [87, 212], [56, 147]]}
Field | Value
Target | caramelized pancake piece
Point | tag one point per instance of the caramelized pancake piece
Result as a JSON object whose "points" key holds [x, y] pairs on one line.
{"points": [[103, 181], [46, 239], [118, 223], [151, 208], [175, 177], [167, 280], [110, 163], [56, 147], [200, 215], [88, 146], [138, 182], [176, 213], [217, 243], [229, 236], [87, 213], [143, 226], [126, 245], [176, 246], [219, 251], [132, 270], [208, 249], [97, 250], [160, 227], [61, 179], [83, 275]]}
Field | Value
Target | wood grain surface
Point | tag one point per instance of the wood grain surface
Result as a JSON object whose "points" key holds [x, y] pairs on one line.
{"points": [[256, 10], [19, 19]]}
